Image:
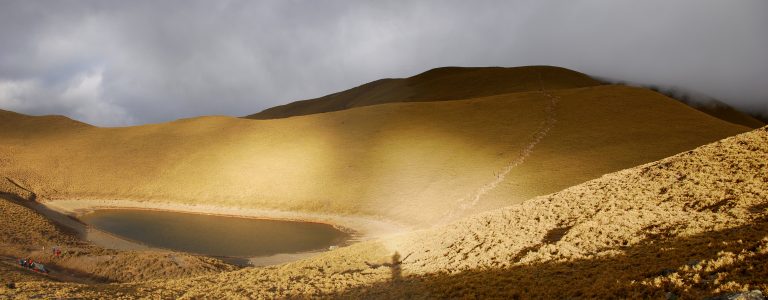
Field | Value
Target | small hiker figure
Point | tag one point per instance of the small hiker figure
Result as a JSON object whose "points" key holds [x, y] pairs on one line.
{"points": [[58, 252], [26, 263]]}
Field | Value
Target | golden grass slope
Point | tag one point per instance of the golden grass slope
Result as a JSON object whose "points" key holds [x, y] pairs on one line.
{"points": [[689, 226], [453, 83], [440, 84], [25, 233], [19, 126], [410, 163], [694, 224]]}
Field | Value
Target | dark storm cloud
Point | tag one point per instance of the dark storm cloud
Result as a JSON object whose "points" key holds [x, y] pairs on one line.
{"points": [[129, 62]]}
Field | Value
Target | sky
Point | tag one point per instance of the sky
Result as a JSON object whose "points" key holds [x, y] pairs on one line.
{"points": [[119, 63]]}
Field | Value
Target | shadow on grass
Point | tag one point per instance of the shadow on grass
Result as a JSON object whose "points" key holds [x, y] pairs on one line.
{"points": [[616, 276]]}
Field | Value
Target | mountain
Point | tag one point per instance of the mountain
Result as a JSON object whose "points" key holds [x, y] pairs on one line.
{"points": [[601, 191], [694, 225], [726, 112], [414, 163], [448, 83], [452, 83], [19, 126]]}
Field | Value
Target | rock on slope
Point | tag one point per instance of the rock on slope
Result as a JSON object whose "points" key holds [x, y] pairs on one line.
{"points": [[691, 225]]}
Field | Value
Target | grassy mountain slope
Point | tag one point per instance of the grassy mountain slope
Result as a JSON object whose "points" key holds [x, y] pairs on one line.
{"points": [[452, 83], [412, 163], [449, 83], [19, 126], [726, 112], [26, 233], [692, 225]]}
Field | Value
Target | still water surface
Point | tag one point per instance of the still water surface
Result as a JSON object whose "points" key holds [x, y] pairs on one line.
{"points": [[215, 235]]}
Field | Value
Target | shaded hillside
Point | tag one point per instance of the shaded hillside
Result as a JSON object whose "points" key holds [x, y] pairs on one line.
{"points": [[453, 83], [416, 163], [726, 112], [690, 226], [449, 83], [19, 126], [710, 106]]}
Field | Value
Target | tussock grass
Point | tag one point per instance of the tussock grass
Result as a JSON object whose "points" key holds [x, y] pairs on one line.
{"points": [[692, 225], [412, 163], [25, 233], [408, 163]]}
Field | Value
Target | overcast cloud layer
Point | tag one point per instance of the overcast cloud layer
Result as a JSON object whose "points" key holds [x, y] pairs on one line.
{"points": [[115, 63]]}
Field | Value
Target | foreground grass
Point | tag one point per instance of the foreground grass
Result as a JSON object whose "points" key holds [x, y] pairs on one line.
{"points": [[689, 226]]}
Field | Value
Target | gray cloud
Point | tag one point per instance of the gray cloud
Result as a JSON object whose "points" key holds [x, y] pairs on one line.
{"points": [[130, 62]]}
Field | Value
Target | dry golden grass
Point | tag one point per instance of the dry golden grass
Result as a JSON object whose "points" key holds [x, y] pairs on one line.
{"points": [[409, 163], [725, 112], [692, 225], [25, 233], [440, 84], [421, 164], [452, 83]]}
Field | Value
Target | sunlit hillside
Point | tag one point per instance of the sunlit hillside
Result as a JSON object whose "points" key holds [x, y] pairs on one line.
{"points": [[451, 83], [383, 150], [446, 196], [414, 164], [692, 225]]}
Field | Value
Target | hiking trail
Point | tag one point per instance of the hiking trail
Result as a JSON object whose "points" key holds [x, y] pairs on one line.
{"points": [[541, 132]]}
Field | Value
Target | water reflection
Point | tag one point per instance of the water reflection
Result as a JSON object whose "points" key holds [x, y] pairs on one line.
{"points": [[215, 235]]}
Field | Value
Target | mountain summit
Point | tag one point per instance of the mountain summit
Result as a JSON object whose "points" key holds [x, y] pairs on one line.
{"points": [[440, 84]]}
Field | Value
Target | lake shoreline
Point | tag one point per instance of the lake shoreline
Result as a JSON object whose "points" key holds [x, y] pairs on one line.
{"points": [[359, 229]]}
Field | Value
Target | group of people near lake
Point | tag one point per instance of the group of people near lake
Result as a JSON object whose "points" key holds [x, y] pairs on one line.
{"points": [[29, 263]]}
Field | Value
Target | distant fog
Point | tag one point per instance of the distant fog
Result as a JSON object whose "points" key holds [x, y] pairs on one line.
{"points": [[117, 63]]}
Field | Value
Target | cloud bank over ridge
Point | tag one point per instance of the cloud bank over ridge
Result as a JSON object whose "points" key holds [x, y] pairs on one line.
{"points": [[115, 63]]}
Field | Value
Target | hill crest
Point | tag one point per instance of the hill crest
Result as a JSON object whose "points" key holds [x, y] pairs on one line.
{"points": [[439, 84]]}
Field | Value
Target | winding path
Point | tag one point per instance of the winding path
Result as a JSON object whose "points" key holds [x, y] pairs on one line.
{"points": [[541, 132]]}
